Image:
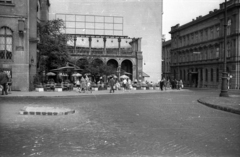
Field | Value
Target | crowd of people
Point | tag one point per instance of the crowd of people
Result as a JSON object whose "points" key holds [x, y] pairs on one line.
{"points": [[84, 83], [173, 84]]}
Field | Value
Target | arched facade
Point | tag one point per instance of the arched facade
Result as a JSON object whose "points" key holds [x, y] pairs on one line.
{"points": [[125, 60]]}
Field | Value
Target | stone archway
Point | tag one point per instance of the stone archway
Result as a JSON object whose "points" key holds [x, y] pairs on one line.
{"points": [[97, 62], [127, 67], [113, 63]]}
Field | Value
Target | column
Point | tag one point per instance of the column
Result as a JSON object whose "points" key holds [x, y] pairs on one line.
{"points": [[104, 46], [199, 78], [90, 45], [119, 46], [75, 39]]}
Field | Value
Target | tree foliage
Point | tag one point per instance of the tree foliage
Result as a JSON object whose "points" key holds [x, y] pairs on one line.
{"points": [[52, 47], [96, 68]]}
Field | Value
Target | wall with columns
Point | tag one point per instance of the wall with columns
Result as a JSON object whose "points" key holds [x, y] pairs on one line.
{"points": [[142, 19]]}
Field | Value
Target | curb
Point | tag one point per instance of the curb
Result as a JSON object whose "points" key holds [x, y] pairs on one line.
{"points": [[88, 94], [223, 108]]}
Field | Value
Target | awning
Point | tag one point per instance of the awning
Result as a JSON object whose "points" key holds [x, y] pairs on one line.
{"points": [[145, 75]]}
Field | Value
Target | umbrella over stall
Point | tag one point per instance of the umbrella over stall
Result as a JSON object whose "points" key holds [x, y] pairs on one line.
{"points": [[67, 68], [76, 74], [124, 77], [50, 74]]}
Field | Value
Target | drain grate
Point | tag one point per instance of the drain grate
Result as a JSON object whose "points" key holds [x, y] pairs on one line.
{"points": [[45, 111]]}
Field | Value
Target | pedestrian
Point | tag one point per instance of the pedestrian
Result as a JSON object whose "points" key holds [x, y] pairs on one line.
{"points": [[164, 83], [112, 85], [78, 84], [9, 84], [177, 84], [180, 84], [161, 84], [117, 85], [83, 84], [3, 81], [124, 84]]}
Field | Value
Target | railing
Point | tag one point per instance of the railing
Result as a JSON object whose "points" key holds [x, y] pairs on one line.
{"points": [[126, 51], [112, 51], [97, 51], [100, 51]]}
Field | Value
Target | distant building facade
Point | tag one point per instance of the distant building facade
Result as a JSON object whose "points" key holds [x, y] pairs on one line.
{"points": [[166, 59], [18, 39], [197, 48], [141, 20], [96, 41]]}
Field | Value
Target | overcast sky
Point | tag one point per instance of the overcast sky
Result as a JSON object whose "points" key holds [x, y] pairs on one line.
{"points": [[183, 11]]}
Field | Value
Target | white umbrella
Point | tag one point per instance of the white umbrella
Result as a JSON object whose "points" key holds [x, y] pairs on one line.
{"points": [[76, 74], [50, 74], [124, 77]]}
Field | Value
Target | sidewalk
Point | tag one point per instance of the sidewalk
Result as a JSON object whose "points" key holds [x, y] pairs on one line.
{"points": [[228, 104], [75, 93]]}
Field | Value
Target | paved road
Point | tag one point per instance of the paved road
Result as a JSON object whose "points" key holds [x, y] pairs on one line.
{"points": [[154, 124]]}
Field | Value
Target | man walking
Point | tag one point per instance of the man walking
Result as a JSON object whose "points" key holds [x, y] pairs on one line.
{"points": [[112, 85], [3, 82]]}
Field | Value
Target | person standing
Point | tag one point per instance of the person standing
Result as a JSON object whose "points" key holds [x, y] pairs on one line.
{"points": [[180, 84], [83, 84], [9, 87], [3, 81], [161, 84], [112, 85], [124, 84], [78, 84]]}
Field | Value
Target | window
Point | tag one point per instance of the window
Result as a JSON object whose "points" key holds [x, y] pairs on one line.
{"points": [[206, 34], [217, 31], [217, 77], [196, 34], [5, 43], [6, 1], [201, 36], [228, 49], [211, 74], [206, 78], [212, 33], [217, 52], [229, 23]]}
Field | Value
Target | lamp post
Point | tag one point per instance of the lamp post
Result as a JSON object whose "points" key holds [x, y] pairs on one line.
{"points": [[224, 90]]}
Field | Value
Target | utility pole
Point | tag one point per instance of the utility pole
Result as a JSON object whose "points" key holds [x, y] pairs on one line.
{"points": [[224, 90]]}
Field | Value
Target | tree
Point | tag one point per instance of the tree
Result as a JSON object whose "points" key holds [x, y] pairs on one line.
{"points": [[52, 48], [97, 68]]}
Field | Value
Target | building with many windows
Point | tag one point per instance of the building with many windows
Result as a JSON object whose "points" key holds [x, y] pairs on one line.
{"points": [[18, 39], [166, 59], [197, 48]]}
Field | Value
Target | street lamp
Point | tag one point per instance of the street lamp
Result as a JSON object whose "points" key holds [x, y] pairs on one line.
{"points": [[224, 90]]}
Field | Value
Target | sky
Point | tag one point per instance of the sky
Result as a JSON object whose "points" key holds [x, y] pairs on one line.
{"points": [[183, 11]]}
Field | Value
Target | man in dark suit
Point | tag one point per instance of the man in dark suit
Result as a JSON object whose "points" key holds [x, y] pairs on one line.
{"points": [[112, 85], [3, 82]]}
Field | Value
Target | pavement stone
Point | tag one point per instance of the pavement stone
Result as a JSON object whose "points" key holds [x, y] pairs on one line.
{"points": [[228, 104]]}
